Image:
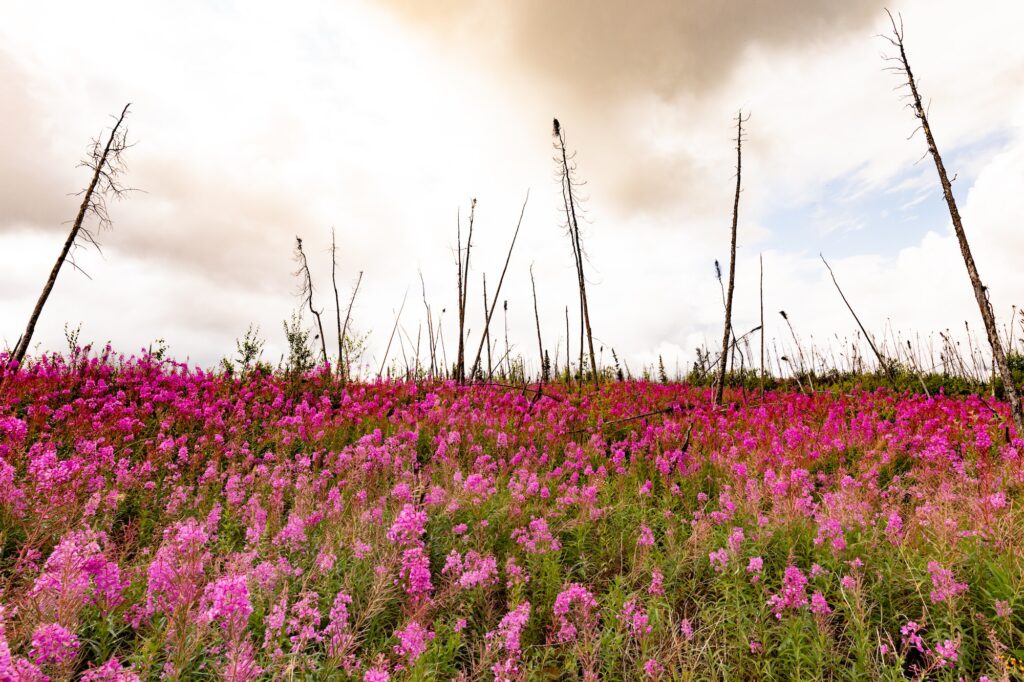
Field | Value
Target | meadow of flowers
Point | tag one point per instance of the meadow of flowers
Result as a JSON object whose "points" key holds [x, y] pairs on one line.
{"points": [[164, 522]]}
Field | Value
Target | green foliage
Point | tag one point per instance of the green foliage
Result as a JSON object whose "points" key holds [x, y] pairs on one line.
{"points": [[300, 353]]}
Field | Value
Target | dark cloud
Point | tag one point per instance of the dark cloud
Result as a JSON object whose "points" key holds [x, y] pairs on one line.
{"points": [[591, 63], [611, 47]]}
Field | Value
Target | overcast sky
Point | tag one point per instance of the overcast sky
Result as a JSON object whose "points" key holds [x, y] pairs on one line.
{"points": [[255, 122]]}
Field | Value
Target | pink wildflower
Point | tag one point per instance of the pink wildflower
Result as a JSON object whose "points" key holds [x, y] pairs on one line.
{"points": [[646, 538], [945, 584], [793, 594], [53, 644], [948, 652], [111, 671], [574, 607], [719, 559], [634, 616], [412, 642], [819, 605], [657, 587]]}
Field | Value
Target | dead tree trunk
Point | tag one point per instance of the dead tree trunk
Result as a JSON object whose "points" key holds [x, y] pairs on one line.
{"points": [[760, 261], [106, 164], [536, 317], [732, 261], [307, 294], [463, 283], [486, 337], [430, 327], [980, 292], [344, 360], [489, 311], [570, 200], [337, 301], [568, 355], [391, 338], [882, 361]]}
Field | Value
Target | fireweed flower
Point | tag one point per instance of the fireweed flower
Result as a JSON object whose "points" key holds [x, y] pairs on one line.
{"points": [[412, 642], [508, 640], [574, 608], [536, 538], [53, 644], [226, 602], [78, 573], [819, 605], [657, 587], [290, 490], [948, 652], [944, 583], [177, 572], [304, 622], [376, 674], [793, 594], [754, 566], [415, 571], [408, 527], [911, 637], [634, 616], [515, 574], [337, 631], [736, 539], [719, 559], [646, 538], [111, 671]]}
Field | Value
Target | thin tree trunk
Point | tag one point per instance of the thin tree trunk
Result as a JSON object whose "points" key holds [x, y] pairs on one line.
{"points": [[508, 365], [760, 260], [488, 312], [346, 369], [430, 327], [568, 356], [308, 291], [337, 301], [486, 337], [21, 349], [980, 292], [732, 262], [536, 317], [881, 359], [574, 230], [460, 367], [392, 337]]}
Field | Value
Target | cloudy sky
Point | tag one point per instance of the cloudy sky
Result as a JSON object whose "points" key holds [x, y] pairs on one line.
{"points": [[254, 123]]}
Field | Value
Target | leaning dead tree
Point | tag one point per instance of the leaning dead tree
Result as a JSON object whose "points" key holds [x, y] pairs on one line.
{"points": [[106, 163], [306, 293], [489, 310], [344, 360], [882, 361], [740, 120], [901, 65], [567, 169]]}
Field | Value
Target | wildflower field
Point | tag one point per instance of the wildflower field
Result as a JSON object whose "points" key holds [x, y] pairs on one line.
{"points": [[164, 522]]}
